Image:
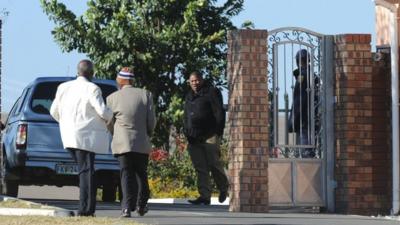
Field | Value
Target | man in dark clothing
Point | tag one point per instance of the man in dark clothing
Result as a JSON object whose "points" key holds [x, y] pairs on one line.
{"points": [[204, 122], [299, 118]]}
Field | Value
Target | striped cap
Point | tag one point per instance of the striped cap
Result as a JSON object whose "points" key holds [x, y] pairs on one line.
{"points": [[126, 73]]}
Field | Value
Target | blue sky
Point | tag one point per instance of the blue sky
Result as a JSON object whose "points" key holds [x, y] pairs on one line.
{"points": [[29, 50]]}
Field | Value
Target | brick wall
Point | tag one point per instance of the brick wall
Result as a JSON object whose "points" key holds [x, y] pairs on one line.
{"points": [[248, 120], [382, 132], [361, 126], [1, 147], [382, 22], [1, 23]]}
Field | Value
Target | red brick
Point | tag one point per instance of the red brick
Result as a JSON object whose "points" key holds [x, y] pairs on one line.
{"points": [[356, 38], [249, 102], [362, 128], [348, 38]]}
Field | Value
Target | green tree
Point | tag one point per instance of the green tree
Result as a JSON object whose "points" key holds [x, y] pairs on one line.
{"points": [[164, 40]]}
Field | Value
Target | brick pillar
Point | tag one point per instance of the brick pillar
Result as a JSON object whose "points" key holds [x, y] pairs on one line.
{"points": [[362, 162], [248, 120]]}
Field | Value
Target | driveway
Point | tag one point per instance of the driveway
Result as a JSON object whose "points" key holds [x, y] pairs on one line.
{"points": [[184, 214], [216, 214]]}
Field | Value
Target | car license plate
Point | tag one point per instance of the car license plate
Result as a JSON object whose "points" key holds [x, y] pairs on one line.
{"points": [[67, 169]]}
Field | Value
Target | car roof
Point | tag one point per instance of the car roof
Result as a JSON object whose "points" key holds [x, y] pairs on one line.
{"points": [[63, 79]]}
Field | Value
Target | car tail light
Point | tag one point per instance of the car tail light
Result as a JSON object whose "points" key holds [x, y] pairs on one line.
{"points": [[20, 143]]}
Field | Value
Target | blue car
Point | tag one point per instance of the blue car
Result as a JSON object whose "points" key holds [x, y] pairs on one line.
{"points": [[33, 152]]}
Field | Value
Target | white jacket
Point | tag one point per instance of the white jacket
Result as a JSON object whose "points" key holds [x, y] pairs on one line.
{"points": [[80, 110]]}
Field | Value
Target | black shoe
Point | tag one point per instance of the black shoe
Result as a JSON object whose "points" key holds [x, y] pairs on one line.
{"points": [[200, 200], [141, 210], [86, 214], [126, 213], [222, 196]]}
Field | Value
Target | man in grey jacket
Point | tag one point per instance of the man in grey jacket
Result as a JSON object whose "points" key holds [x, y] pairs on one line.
{"points": [[132, 125]]}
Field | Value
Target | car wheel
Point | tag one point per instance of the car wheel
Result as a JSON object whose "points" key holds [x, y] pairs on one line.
{"points": [[9, 187], [109, 193]]}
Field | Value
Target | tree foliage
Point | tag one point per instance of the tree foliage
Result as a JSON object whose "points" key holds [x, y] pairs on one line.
{"points": [[164, 40]]}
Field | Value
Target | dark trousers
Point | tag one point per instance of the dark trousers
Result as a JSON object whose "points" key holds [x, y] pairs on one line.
{"points": [[134, 165], [87, 182], [206, 158]]}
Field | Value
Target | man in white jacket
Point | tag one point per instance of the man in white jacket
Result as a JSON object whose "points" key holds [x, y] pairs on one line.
{"points": [[80, 110]]}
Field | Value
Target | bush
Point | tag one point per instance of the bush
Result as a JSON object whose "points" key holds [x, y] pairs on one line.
{"points": [[171, 189], [172, 175]]}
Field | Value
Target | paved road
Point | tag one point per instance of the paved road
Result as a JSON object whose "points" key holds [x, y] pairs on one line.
{"points": [[218, 215], [192, 215], [49, 192]]}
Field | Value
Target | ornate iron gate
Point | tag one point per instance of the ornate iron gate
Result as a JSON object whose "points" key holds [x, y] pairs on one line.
{"points": [[301, 99]]}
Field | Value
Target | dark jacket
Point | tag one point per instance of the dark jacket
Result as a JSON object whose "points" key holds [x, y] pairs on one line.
{"points": [[301, 101], [204, 115]]}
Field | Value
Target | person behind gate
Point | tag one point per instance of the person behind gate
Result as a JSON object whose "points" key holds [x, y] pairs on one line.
{"points": [[299, 118], [204, 122], [132, 125], [80, 110]]}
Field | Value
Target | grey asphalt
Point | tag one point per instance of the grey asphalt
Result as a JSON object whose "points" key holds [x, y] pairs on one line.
{"points": [[49, 192], [218, 215], [66, 197]]}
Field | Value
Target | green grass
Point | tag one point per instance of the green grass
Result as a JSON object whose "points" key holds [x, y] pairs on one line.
{"points": [[43, 220], [13, 203]]}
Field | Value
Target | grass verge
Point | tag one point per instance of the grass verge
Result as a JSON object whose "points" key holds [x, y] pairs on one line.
{"points": [[44, 220], [16, 203]]}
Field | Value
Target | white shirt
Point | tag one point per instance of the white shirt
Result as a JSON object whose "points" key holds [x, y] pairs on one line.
{"points": [[80, 110]]}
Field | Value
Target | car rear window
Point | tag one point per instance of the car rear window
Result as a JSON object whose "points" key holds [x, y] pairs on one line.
{"points": [[20, 102], [106, 90], [45, 92]]}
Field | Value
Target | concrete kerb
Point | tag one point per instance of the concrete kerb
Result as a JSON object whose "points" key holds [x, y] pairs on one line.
{"points": [[50, 211], [214, 201], [35, 212], [56, 211]]}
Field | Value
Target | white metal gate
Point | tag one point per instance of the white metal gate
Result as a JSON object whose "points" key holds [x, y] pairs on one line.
{"points": [[300, 83]]}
